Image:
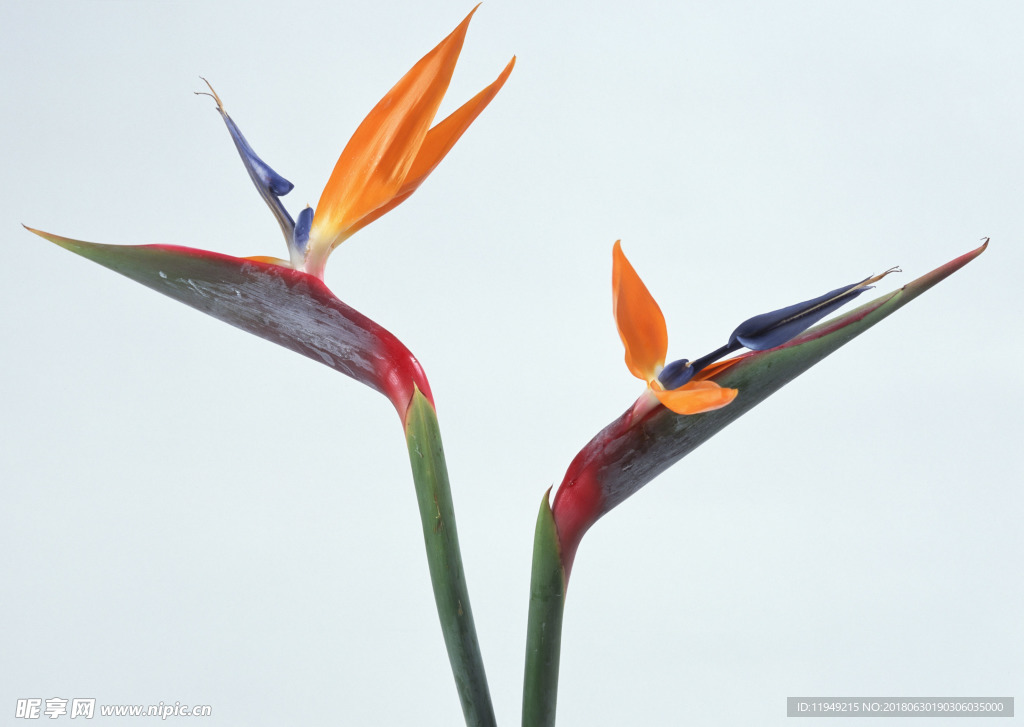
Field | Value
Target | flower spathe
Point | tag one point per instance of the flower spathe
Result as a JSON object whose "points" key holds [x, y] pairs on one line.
{"points": [[391, 153], [642, 329]]}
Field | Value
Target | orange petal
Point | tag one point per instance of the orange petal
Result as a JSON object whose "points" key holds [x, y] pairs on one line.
{"points": [[438, 143], [376, 160], [639, 319], [718, 367], [696, 397], [270, 260]]}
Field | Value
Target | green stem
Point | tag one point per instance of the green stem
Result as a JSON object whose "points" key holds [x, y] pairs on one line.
{"points": [[437, 514], [544, 628]]}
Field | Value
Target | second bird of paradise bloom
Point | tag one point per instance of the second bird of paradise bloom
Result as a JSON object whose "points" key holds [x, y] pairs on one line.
{"points": [[594, 482], [683, 386], [391, 153]]}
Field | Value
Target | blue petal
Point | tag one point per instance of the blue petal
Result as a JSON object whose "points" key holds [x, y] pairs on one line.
{"points": [[676, 374], [773, 329], [262, 175], [300, 238], [269, 183]]}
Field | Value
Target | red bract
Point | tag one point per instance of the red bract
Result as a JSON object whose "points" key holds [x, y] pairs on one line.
{"points": [[288, 307]]}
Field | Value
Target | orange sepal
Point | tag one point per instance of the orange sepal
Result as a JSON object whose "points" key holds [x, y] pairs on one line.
{"points": [[717, 367], [695, 397], [437, 144], [639, 319], [373, 167], [269, 259]]}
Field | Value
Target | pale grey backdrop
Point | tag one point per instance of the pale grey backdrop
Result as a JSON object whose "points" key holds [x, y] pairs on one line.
{"points": [[192, 514]]}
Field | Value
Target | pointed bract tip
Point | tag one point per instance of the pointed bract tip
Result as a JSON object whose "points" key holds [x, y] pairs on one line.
{"points": [[921, 284], [64, 242], [980, 249]]}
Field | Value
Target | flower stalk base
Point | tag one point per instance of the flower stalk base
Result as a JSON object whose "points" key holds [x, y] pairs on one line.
{"points": [[434, 497], [544, 628]]}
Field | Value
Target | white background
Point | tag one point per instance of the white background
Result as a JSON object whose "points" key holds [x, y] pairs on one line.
{"points": [[192, 514]]}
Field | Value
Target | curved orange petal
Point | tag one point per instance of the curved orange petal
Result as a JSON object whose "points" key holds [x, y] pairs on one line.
{"points": [[438, 142], [639, 319], [696, 397], [270, 260], [718, 367], [376, 160]]}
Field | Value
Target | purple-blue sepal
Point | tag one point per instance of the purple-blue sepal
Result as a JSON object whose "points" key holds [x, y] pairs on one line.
{"points": [[271, 185], [676, 374], [769, 330], [300, 236]]}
